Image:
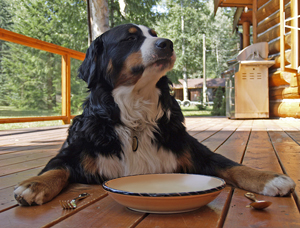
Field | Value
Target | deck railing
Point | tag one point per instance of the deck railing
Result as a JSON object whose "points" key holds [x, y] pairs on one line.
{"points": [[66, 55]]}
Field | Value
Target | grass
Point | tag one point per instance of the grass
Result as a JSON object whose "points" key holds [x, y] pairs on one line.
{"points": [[194, 111], [11, 112], [8, 112]]}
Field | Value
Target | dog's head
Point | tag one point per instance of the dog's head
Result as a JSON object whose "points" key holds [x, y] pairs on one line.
{"points": [[127, 55]]}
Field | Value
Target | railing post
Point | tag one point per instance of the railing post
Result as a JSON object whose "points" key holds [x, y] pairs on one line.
{"points": [[66, 88], [282, 35], [295, 33], [254, 21]]}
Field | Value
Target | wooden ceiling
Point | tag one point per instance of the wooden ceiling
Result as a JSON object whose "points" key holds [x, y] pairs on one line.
{"points": [[240, 14], [233, 3]]}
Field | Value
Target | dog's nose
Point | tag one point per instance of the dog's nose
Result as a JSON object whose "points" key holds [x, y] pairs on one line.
{"points": [[164, 44]]}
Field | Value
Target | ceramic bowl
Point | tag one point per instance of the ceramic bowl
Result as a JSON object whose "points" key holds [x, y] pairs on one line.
{"points": [[164, 193]]}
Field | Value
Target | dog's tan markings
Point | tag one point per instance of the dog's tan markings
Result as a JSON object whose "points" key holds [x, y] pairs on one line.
{"points": [[247, 178], [184, 163], [43, 188], [152, 32], [132, 30], [129, 74], [134, 59], [109, 67], [89, 165]]}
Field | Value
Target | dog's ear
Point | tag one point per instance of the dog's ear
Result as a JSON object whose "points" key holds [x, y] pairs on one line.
{"points": [[90, 67]]}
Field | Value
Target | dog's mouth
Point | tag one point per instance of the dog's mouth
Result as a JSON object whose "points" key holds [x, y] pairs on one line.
{"points": [[162, 62]]}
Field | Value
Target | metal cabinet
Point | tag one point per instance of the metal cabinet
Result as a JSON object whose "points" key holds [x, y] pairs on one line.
{"points": [[247, 90]]}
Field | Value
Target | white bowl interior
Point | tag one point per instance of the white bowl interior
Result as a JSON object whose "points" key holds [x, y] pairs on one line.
{"points": [[165, 183]]}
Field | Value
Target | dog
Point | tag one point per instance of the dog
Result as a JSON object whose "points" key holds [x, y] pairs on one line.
{"points": [[131, 125]]}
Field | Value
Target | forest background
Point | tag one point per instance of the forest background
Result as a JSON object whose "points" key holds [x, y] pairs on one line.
{"points": [[30, 80]]}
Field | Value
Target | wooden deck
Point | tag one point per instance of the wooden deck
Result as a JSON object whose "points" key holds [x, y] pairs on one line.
{"points": [[263, 144]]}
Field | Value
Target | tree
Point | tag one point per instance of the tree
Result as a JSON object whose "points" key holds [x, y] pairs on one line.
{"points": [[5, 23], [133, 11], [33, 76], [98, 18], [199, 19]]}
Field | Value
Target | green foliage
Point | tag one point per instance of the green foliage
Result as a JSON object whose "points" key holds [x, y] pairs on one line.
{"points": [[136, 11], [198, 19], [5, 23], [194, 111], [201, 106], [33, 77], [219, 103]]}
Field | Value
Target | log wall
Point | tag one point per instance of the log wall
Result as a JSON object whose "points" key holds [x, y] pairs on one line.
{"points": [[283, 85]]}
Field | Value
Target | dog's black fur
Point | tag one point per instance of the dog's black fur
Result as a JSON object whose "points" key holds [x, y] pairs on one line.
{"points": [[119, 60]]}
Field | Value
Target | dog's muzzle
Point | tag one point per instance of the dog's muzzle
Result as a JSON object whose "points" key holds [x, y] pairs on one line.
{"points": [[164, 48]]}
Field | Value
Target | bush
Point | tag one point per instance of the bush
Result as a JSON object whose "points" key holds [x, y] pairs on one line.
{"points": [[219, 107], [200, 106]]}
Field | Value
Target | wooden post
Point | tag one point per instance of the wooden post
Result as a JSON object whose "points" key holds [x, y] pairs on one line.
{"points": [[66, 88], [246, 34], [254, 21], [282, 33], [204, 72], [295, 34]]}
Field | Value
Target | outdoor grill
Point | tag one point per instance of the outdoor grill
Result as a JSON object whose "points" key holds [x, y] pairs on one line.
{"points": [[247, 91]]}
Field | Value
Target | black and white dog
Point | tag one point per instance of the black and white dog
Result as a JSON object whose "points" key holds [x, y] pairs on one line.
{"points": [[132, 125]]}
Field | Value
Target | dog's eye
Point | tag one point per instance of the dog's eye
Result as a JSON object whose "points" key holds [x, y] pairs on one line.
{"points": [[130, 38]]}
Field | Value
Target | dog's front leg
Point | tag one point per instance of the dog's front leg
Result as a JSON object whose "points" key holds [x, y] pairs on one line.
{"points": [[262, 182], [41, 189]]}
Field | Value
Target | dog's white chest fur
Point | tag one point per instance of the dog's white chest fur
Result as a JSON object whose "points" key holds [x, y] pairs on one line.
{"points": [[139, 117]]}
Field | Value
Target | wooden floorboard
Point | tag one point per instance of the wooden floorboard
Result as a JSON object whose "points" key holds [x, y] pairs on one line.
{"points": [[270, 144]]}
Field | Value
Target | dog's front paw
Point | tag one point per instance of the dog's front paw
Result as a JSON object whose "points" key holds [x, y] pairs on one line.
{"points": [[31, 192], [280, 185], [41, 189]]}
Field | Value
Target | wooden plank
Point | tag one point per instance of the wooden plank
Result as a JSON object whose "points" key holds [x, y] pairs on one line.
{"points": [[260, 3], [274, 46], [14, 179], [104, 213], [17, 154], [286, 108], [31, 119], [279, 78], [235, 146], [211, 215], [27, 157], [220, 137], [283, 212], [51, 213], [272, 20], [5, 170], [284, 93], [39, 44], [7, 200], [269, 8], [288, 152], [201, 136], [271, 34]]}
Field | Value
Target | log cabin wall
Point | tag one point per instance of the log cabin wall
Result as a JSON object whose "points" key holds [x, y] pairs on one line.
{"points": [[283, 81]]}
